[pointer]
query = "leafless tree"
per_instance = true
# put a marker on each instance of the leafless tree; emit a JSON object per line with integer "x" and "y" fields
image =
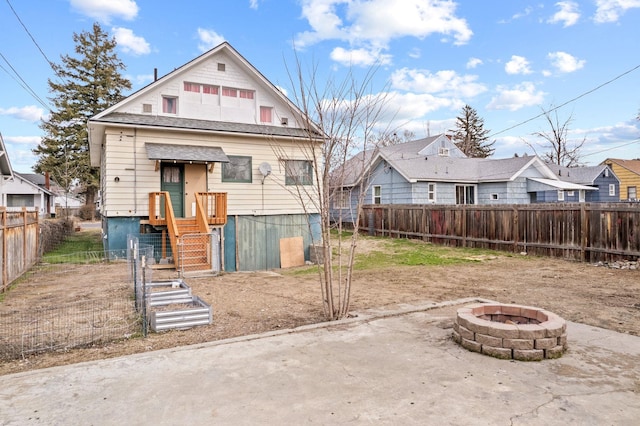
{"x": 556, "y": 145}
{"x": 346, "y": 116}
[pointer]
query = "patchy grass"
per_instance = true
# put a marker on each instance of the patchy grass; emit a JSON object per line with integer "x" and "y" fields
{"x": 403, "y": 252}
{"x": 88, "y": 241}
{"x": 381, "y": 252}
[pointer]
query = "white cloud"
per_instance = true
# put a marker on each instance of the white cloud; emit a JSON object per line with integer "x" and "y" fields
{"x": 360, "y": 57}
{"x": 131, "y": 43}
{"x": 513, "y": 99}
{"x": 403, "y": 108}
{"x": 611, "y": 10}
{"x": 414, "y": 53}
{"x": 565, "y": 62}
{"x": 568, "y": 14}
{"x": 375, "y": 23}
{"x": 444, "y": 83}
{"x": 30, "y": 113}
{"x": 253, "y": 4}
{"x": 526, "y": 12}
{"x": 208, "y": 39}
{"x": 104, "y": 11}
{"x": 473, "y": 63}
{"x": 23, "y": 140}
{"x": 517, "y": 65}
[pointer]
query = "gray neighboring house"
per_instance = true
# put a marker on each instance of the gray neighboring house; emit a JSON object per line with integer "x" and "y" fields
{"x": 434, "y": 171}
{"x": 600, "y": 177}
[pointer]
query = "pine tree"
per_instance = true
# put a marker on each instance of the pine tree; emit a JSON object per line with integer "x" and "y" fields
{"x": 471, "y": 136}
{"x": 85, "y": 86}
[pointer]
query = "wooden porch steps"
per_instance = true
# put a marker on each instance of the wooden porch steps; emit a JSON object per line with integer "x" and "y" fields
{"x": 194, "y": 251}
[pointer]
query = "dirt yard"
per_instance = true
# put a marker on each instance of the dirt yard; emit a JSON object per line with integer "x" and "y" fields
{"x": 249, "y": 303}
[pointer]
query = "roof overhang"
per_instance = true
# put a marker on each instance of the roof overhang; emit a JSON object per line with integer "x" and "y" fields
{"x": 185, "y": 153}
{"x": 540, "y": 184}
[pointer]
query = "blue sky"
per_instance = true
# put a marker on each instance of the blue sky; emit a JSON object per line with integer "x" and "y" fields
{"x": 508, "y": 59}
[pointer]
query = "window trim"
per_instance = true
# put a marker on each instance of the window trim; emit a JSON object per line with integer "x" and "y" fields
{"x": 248, "y": 178}
{"x": 306, "y": 178}
{"x": 214, "y": 90}
{"x": 341, "y": 200}
{"x": 270, "y": 110}
{"x": 466, "y": 188}
{"x": 635, "y": 191}
{"x": 612, "y": 190}
{"x": 376, "y": 194}
{"x": 165, "y": 104}
{"x": 431, "y": 192}
{"x": 560, "y": 195}
{"x": 188, "y": 86}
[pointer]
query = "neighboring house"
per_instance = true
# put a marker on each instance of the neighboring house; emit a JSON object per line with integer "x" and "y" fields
{"x": 21, "y": 192}
{"x": 434, "y": 171}
{"x": 6, "y": 172}
{"x": 600, "y": 177}
{"x": 228, "y": 147}
{"x": 628, "y": 171}
{"x": 18, "y": 192}
{"x": 61, "y": 199}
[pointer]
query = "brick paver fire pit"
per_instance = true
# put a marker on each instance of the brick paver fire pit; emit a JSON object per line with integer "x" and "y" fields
{"x": 510, "y": 331}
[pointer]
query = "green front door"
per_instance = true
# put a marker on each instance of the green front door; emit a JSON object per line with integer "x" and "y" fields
{"x": 173, "y": 183}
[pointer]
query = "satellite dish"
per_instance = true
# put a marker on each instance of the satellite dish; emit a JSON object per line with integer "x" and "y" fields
{"x": 265, "y": 169}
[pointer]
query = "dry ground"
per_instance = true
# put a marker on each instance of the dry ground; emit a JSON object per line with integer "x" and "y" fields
{"x": 249, "y": 303}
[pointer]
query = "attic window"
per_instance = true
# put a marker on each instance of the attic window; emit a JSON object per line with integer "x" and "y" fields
{"x": 191, "y": 87}
{"x": 146, "y": 108}
{"x": 221, "y": 67}
{"x": 284, "y": 121}
{"x": 443, "y": 152}
{"x": 266, "y": 114}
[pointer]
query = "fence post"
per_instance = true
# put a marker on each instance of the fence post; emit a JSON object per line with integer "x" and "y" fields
{"x": 5, "y": 274}
{"x": 23, "y": 213}
{"x": 584, "y": 231}
{"x": 464, "y": 225}
{"x": 515, "y": 231}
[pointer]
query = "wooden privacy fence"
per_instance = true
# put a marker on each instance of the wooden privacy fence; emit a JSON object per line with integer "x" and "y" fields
{"x": 585, "y": 232}
{"x": 19, "y": 232}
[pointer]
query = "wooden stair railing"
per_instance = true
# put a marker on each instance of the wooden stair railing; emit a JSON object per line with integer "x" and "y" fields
{"x": 172, "y": 226}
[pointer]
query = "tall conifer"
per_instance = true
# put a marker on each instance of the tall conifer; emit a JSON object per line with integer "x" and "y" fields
{"x": 471, "y": 136}
{"x": 84, "y": 86}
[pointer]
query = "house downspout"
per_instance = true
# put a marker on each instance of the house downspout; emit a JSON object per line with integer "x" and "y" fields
{"x": 135, "y": 171}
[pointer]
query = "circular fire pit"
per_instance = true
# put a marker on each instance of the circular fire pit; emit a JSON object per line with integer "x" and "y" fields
{"x": 510, "y": 331}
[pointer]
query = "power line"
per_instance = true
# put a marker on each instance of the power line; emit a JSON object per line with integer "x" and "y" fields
{"x": 612, "y": 148}
{"x": 567, "y": 102}
{"x": 32, "y": 38}
{"x": 23, "y": 83}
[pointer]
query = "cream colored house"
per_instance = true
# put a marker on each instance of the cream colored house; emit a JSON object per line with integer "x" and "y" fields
{"x": 211, "y": 148}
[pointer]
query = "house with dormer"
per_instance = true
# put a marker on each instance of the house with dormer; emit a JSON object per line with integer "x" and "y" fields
{"x": 434, "y": 170}
{"x": 212, "y": 148}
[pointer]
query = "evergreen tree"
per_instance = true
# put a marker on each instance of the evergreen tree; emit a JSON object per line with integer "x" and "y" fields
{"x": 85, "y": 86}
{"x": 471, "y": 136}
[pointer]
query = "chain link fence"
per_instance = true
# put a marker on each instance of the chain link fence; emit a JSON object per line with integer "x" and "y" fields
{"x": 77, "y": 300}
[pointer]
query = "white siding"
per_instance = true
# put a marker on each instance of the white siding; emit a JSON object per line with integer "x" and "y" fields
{"x": 214, "y": 107}
{"x": 126, "y": 158}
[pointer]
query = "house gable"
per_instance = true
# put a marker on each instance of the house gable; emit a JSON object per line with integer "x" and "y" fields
{"x": 441, "y": 145}
{"x": 628, "y": 172}
{"x": 217, "y": 92}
